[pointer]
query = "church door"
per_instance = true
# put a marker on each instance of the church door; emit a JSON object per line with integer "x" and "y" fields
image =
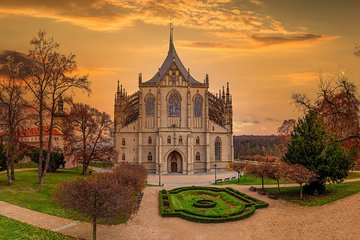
{"x": 174, "y": 167}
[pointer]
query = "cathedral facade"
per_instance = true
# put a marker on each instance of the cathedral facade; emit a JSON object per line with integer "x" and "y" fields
{"x": 173, "y": 124}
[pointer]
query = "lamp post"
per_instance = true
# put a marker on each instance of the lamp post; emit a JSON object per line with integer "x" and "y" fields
{"x": 215, "y": 172}
{"x": 159, "y": 174}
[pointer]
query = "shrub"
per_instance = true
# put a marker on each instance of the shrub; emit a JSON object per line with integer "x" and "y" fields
{"x": 104, "y": 195}
{"x": 56, "y": 159}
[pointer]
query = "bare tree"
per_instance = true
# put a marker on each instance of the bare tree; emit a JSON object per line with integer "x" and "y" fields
{"x": 88, "y": 135}
{"x": 14, "y": 111}
{"x": 49, "y": 79}
{"x": 338, "y": 106}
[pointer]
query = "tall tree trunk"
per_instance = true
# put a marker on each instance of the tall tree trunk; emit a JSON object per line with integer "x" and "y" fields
{"x": 8, "y": 160}
{"x": 12, "y": 168}
{"x": 301, "y": 195}
{"x": 49, "y": 145}
{"x": 262, "y": 184}
{"x": 278, "y": 183}
{"x": 41, "y": 146}
{"x": 94, "y": 228}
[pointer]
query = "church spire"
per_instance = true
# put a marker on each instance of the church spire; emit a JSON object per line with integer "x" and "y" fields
{"x": 171, "y": 43}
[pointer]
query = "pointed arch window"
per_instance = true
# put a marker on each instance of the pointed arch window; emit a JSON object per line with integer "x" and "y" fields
{"x": 197, "y": 106}
{"x": 150, "y": 105}
{"x": 150, "y": 140}
{"x": 123, "y": 141}
{"x": 174, "y": 104}
{"x": 197, "y": 156}
{"x": 218, "y": 149}
{"x": 150, "y": 157}
{"x": 197, "y": 140}
{"x": 169, "y": 140}
{"x": 180, "y": 140}
{"x": 123, "y": 157}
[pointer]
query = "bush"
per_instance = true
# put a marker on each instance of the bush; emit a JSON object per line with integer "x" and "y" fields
{"x": 56, "y": 159}
{"x": 245, "y": 206}
{"x": 107, "y": 196}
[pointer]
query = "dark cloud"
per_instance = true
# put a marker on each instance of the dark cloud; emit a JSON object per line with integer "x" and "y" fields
{"x": 270, "y": 40}
{"x": 18, "y": 58}
{"x": 196, "y": 44}
{"x": 250, "y": 121}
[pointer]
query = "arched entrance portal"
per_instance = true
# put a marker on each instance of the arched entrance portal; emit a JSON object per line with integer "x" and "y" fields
{"x": 174, "y": 162}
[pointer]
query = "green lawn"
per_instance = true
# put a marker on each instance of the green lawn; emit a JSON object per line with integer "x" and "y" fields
{"x": 332, "y": 193}
{"x": 30, "y": 164}
{"x": 353, "y": 175}
{"x": 11, "y": 229}
{"x": 252, "y": 180}
{"x": 249, "y": 180}
{"x": 26, "y": 192}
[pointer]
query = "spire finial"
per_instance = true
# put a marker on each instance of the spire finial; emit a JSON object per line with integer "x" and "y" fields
{"x": 171, "y": 33}
{"x": 118, "y": 87}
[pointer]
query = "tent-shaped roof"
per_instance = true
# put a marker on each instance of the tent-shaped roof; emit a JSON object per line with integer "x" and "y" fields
{"x": 172, "y": 57}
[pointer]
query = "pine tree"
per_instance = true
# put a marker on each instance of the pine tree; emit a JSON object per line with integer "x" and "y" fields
{"x": 313, "y": 147}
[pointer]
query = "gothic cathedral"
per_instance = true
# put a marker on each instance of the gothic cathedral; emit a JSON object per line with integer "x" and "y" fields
{"x": 173, "y": 123}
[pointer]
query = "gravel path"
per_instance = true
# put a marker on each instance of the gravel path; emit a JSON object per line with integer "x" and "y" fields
{"x": 281, "y": 220}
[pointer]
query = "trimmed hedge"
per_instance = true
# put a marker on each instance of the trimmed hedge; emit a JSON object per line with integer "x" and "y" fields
{"x": 246, "y": 207}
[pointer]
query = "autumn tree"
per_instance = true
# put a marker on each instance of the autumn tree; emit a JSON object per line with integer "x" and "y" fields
{"x": 261, "y": 168}
{"x": 49, "y": 79}
{"x": 14, "y": 111}
{"x": 88, "y": 135}
{"x": 337, "y": 105}
{"x": 106, "y": 196}
{"x": 275, "y": 172}
{"x": 298, "y": 174}
{"x": 314, "y": 148}
{"x": 284, "y": 132}
{"x": 238, "y": 167}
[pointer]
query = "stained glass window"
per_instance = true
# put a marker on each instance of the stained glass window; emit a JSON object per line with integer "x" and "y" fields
{"x": 123, "y": 141}
{"x": 180, "y": 140}
{"x": 197, "y": 140}
{"x": 197, "y": 106}
{"x": 123, "y": 157}
{"x": 149, "y": 156}
{"x": 149, "y": 140}
{"x": 174, "y": 105}
{"x": 169, "y": 140}
{"x": 150, "y": 105}
{"x": 218, "y": 149}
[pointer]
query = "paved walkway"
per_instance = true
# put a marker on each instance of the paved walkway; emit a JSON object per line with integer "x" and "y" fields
{"x": 281, "y": 220}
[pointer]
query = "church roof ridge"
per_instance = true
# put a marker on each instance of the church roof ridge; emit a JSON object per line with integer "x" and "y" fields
{"x": 171, "y": 57}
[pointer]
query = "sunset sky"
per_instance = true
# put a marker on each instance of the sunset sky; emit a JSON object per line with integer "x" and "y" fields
{"x": 267, "y": 50}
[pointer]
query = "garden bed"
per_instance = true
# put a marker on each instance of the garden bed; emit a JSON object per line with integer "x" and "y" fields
{"x": 208, "y": 204}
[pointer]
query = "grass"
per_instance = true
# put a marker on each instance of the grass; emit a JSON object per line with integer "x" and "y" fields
{"x": 26, "y": 192}
{"x": 252, "y": 180}
{"x": 223, "y": 204}
{"x": 101, "y": 164}
{"x": 12, "y": 229}
{"x": 353, "y": 175}
{"x": 249, "y": 180}
{"x": 332, "y": 193}
{"x": 30, "y": 164}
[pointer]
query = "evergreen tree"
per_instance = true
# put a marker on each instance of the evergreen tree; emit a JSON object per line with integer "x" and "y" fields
{"x": 313, "y": 147}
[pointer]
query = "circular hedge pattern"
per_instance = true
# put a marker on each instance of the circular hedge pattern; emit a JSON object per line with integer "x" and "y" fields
{"x": 204, "y": 203}
{"x": 207, "y": 204}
